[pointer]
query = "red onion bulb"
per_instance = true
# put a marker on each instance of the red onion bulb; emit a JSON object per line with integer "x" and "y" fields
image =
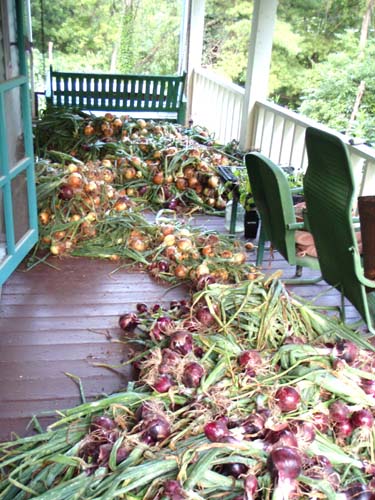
{"x": 158, "y": 429}
{"x": 343, "y": 429}
{"x": 362, "y": 418}
{"x": 216, "y": 430}
{"x": 346, "y": 350}
{"x": 251, "y": 486}
{"x": 338, "y": 411}
{"x": 193, "y": 372}
{"x": 204, "y": 316}
{"x": 128, "y": 322}
{"x": 163, "y": 383}
{"x": 102, "y": 422}
{"x": 181, "y": 342}
{"x": 234, "y": 469}
{"x": 285, "y": 465}
{"x": 287, "y": 399}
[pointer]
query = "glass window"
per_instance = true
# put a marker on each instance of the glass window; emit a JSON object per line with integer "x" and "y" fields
{"x": 14, "y": 127}
{"x": 2, "y": 229}
{"x": 9, "y": 61}
{"x": 20, "y": 206}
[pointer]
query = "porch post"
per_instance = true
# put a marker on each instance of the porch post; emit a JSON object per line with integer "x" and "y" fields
{"x": 258, "y": 66}
{"x": 195, "y": 34}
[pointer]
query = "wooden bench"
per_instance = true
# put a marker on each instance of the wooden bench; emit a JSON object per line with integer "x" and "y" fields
{"x": 160, "y": 97}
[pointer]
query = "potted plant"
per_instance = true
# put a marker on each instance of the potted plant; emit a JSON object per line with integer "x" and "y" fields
{"x": 251, "y": 216}
{"x": 295, "y": 181}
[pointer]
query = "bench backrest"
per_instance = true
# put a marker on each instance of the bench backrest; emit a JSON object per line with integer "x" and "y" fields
{"x": 116, "y": 92}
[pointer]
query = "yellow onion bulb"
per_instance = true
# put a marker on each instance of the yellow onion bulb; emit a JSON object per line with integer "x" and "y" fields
{"x": 89, "y": 130}
{"x": 171, "y": 252}
{"x": 181, "y": 271}
{"x": 189, "y": 172}
{"x": 44, "y": 218}
{"x": 169, "y": 240}
{"x": 226, "y": 254}
{"x": 110, "y": 192}
{"x": 138, "y": 244}
{"x": 117, "y": 123}
{"x": 107, "y": 176}
{"x": 129, "y": 173}
{"x": 193, "y": 182}
{"x": 91, "y": 217}
{"x": 213, "y": 181}
{"x": 108, "y": 132}
{"x": 57, "y": 248}
{"x": 220, "y": 274}
{"x": 202, "y": 269}
{"x": 90, "y": 187}
{"x": 135, "y": 161}
{"x": 75, "y": 180}
{"x": 72, "y": 167}
{"x": 181, "y": 183}
{"x": 121, "y": 204}
{"x": 184, "y": 244}
{"x": 167, "y": 229}
{"x": 158, "y": 178}
{"x": 208, "y": 251}
{"x": 59, "y": 235}
{"x": 106, "y": 163}
{"x": 141, "y": 123}
{"x": 185, "y": 233}
{"x": 239, "y": 258}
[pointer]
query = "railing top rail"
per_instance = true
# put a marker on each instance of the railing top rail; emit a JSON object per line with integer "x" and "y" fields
{"x": 362, "y": 150}
{"x": 220, "y": 80}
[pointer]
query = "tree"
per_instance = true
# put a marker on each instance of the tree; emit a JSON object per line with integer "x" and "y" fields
{"x": 333, "y": 88}
{"x": 362, "y": 46}
{"x": 306, "y": 32}
{"x": 86, "y": 34}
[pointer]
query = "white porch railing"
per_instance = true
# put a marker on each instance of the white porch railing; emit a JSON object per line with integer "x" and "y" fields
{"x": 278, "y": 132}
{"x": 217, "y": 104}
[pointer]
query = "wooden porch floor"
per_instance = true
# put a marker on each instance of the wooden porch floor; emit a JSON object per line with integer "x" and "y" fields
{"x": 63, "y": 320}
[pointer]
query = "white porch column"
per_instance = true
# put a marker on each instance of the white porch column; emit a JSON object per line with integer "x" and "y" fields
{"x": 195, "y": 10}
{"x": 258, "y": 66}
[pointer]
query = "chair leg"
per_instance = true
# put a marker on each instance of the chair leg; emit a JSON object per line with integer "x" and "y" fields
{"x": 342, "y": 308}
{"x": 261, "y": 243}
{"x": 298, "y": 271}
{"x": 233, "y": 217}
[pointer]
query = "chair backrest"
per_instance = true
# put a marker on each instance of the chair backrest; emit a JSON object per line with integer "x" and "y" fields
{"x": 329, "y": 191}
{"x": 273, "y": 199}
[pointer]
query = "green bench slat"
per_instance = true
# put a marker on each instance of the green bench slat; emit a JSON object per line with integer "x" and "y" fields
{"x": 111, "y": 92}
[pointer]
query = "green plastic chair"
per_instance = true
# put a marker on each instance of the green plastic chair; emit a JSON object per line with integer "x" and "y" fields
{"x": 273, "y": 200}
{"x": 329, "y": 191}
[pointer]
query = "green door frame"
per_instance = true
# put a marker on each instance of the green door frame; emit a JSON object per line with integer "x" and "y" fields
{"x": 17, "y": 250}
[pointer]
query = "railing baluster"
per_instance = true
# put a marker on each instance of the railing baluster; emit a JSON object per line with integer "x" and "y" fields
{"x": 277, "y": 132}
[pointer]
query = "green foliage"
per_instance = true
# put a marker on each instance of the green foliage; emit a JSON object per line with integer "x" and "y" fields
{"x": 315, "y": 66}
{"x": 227, "y": 32}
{"x": 136, "y": 36}
{"x": 156, "y": 37}
{"x": 88, "y": 29}
{"x": 127, "y": 46}
{"x": 333, "y": 88}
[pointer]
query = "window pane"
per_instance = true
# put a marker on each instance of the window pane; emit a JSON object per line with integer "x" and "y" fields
{"x": 20, "y": 206}
{"x": 2, "y": 229}
{"x": 14, "y": 126}
{"x": 9, "y": 63}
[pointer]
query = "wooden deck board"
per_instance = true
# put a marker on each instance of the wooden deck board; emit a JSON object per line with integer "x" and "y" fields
{"x": 54, "y": 321}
